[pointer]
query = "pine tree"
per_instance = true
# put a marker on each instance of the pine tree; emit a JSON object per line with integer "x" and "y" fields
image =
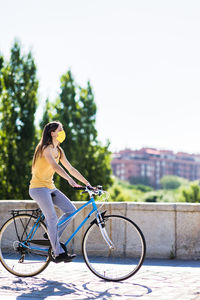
{"x": 18, "y": 105}
{"x": 76, "y": 110}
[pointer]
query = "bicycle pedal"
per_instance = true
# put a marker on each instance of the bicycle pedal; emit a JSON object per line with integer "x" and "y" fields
{"x": 45, "y": 235}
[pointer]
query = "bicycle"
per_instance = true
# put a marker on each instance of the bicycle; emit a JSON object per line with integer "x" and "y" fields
{"x": 113, "y": 246}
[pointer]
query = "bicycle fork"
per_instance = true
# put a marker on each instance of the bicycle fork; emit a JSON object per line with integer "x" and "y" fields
{"x": 101, "y": 224}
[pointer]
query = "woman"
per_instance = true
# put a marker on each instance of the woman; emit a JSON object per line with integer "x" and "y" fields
{"x": 47, "y": 155}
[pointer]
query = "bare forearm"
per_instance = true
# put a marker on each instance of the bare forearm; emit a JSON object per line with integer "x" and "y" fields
{"x": 60, "y": 171}
{"x": 78, "y": 176}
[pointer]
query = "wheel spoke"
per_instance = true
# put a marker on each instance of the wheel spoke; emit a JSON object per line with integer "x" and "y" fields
{"x": 118, "y": 262}
{"x": 20, "y": 257}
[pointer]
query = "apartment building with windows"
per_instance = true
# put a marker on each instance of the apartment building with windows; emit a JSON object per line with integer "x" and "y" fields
{"x": 154, "y": 164}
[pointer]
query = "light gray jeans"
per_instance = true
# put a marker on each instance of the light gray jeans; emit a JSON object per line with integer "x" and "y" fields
{"x": 46, "y": 199}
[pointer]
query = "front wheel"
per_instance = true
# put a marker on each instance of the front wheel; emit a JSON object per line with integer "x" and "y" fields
{"x": 125, "y": 255}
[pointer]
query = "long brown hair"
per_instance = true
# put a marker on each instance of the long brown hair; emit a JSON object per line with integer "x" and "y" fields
{"x": 46, "y": 139}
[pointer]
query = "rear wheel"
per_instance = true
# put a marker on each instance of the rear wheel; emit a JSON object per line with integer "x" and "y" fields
{"x": 22, "y": 253}
{"x": 128, "y": 252}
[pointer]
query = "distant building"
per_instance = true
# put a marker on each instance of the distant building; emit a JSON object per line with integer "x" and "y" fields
{"x": 154, "y": 164}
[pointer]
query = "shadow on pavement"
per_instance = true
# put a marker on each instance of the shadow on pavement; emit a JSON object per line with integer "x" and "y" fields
{"x": 110, "y": 290}
{"x": 41, "y": 288}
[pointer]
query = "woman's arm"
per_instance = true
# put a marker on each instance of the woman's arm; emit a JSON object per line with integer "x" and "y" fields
{"x": 75, "y": 173}
{"x": 57, "y": 168}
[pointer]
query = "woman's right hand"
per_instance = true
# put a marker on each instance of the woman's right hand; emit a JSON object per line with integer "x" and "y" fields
{"x": 72, "y": 182}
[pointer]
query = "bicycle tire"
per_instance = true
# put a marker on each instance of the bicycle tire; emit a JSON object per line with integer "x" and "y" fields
{"x": 114, "y": 264}
{"x": 18, "y": 260}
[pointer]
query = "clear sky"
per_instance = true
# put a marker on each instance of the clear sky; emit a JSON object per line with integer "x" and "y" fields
{"x": 142, "y": 58}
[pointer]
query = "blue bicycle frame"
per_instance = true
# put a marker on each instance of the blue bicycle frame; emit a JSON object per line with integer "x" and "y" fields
{"x": 91, "y": 201}
{"x": 36, "y": 225}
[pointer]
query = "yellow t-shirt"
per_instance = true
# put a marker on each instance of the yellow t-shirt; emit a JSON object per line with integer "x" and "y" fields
{"x": 42, "y": 174}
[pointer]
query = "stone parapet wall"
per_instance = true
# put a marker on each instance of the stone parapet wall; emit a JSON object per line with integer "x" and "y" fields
{"x": 170, "y": 229}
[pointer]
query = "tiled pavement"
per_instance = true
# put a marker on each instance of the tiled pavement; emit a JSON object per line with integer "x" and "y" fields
{"x": 157, "y": 279}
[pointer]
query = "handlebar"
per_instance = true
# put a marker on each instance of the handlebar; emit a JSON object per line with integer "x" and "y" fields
{"x": 91, "y": 190}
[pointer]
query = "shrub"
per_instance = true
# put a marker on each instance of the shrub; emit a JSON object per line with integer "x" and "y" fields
{"x": 191, "y": 194}
{"x": 172, "y": 182}
{"x": 143, "y": 188}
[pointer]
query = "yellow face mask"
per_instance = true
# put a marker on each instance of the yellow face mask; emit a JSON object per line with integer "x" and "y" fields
{"x": 61, "y": 136}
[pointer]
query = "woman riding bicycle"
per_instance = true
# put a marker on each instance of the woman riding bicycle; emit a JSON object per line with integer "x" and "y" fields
{"x": 47, "y": 155}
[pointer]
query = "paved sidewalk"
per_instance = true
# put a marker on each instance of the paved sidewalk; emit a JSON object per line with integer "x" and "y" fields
{"x": 157, "y": 279}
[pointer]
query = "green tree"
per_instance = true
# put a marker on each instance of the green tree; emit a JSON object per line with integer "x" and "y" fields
{"x": 47, "y": 115}
{"x": 18, "y": 102}
{"x": 1, "y": 67}
{"x": 140, "y": 180}
{"x": 76, "y": 110}
{"x": 192, "y": 193}
{"x": 171, "y": 182}
{"x": 1, "y": 133}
